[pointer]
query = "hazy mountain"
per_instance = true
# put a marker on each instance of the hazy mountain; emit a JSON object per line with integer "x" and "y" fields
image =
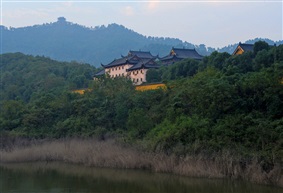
{"x": 63, "y": 40}
{"x": 66, "y": 41}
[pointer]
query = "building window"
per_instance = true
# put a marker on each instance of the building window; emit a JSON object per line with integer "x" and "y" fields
{"x": 133, "y": 80}
{"x": 119, "y": 67}
{"x": 122, "y": 67}
{"x": 112, "y": 69}
{"x": 141, "y": 71}
{"x": 137, "y": 72}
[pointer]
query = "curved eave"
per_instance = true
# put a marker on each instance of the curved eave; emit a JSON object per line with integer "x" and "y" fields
{"x": 169, "y": 57}
{"x": 142, "y": 67}
{"x": 118, "y": 65}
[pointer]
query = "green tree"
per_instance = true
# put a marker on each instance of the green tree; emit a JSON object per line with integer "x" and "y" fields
{"x": 11, "y": 114}
{"x": 260, "y": 45}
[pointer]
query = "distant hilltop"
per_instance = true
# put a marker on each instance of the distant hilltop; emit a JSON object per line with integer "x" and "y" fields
{"x": 67, "y": 41}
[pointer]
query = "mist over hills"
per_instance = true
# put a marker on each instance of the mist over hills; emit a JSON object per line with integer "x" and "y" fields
{"x": 67, "y": 41}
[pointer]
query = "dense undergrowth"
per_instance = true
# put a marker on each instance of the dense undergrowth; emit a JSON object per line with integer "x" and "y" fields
{"x": 222, "y": 103}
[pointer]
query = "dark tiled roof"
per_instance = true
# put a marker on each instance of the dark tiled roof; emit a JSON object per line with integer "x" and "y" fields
{"x": 121, "y": 61}
{"x": 187, "y": 53}
{"x": 144, "y": 63}
{"x": 101, "y": 72}
{"x": 141, "y": 54}
{"x": 133, "y": 57}
{"x": 168, "y": 57}
{"x": 182, "y": 53}
{"x": 247, "y": 47}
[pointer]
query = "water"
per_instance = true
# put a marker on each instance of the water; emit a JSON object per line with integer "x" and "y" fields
{"x": 65, "y": 178}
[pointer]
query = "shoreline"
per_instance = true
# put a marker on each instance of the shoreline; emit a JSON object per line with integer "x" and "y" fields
{"x": 111, "y": 154}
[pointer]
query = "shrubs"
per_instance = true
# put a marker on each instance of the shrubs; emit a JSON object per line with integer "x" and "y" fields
{"x": 232, "y": 102}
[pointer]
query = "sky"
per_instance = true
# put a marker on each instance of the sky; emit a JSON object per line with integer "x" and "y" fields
{"x": 215, "y": 23}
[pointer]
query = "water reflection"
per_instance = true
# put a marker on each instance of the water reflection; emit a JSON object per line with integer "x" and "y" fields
{"x": 65, "y": 178}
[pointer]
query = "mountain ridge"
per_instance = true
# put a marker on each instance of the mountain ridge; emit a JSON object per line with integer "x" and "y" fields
{"x": 66, "y": 41}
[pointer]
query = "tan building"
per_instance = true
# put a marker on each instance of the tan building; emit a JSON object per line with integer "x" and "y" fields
{"x": 133, "y": 66}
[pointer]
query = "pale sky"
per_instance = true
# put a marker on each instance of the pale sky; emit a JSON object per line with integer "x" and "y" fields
{"x": 213, "y": 23}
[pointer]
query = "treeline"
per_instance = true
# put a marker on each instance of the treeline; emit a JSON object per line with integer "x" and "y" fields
{"x": 221, "y": 103}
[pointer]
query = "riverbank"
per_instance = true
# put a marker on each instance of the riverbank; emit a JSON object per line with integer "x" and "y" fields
{"x": 113, "y": 154}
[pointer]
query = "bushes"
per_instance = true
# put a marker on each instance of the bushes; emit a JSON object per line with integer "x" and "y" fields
{"x": 223, "y": 102}
{"x": 184, "y": 130}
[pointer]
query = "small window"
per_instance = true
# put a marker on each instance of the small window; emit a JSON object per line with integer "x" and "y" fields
{"x": 133, "y": 80}
{"x": 122, "y": 67}
{"x": 112, "y": 69}
{"x": 119, "y": 67}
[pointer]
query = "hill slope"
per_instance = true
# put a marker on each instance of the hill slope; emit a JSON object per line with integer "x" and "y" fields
{"x": 24, "y": 77}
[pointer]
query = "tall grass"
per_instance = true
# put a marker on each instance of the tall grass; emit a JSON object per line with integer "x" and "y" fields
{"x": 111, "y": 154}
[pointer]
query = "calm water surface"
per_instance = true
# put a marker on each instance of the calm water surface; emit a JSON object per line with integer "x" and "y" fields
{"x": 64, "y": 178}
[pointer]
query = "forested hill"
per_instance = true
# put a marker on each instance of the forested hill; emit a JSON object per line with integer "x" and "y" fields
{"x": 66, "y": 41}
{"x": 222, "y": 102}
{"x": 25, "y": 77}
{"x": 224, "y": 105}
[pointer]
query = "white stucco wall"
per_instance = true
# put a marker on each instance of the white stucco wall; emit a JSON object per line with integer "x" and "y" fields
{"x": 118, "y": 71}
{"x": 138, "y": 76}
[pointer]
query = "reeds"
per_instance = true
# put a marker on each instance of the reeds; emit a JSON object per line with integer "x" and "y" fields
{"x": 111, "y": 154}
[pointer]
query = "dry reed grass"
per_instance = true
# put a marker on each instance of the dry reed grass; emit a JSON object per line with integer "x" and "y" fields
{"x": 111, "y": 154}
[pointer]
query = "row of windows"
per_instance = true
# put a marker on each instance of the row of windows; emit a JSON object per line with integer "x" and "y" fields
{"x": 117, "y": 75}
{"x": 137, "y": 80}
{"x": 118, "y": 68}
{"x": 122, "y": 67}
{"x": 136, "y": 72}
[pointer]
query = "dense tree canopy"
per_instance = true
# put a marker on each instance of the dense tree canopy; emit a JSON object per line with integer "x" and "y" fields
{"x": 222, "y": 102}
